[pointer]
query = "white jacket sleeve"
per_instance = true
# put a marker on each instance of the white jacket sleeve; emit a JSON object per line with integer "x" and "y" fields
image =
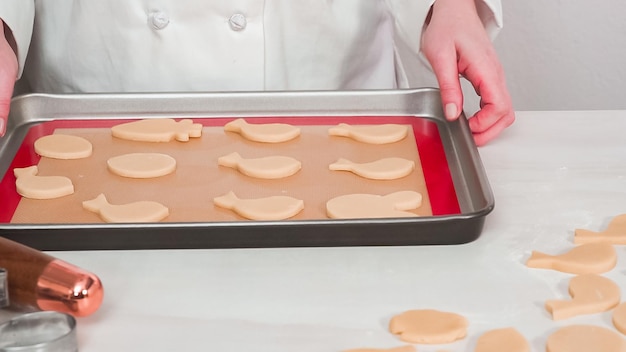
{"x": 412, "y": 67}
{"x": 19, "y": 16}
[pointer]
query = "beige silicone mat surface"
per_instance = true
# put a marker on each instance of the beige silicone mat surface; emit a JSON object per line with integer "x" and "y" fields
{"x": 189, "y": 191}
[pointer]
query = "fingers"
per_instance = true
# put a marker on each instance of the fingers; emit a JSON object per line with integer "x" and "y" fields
{"x": 8, "y": 76}
{"x": 445, "y": 66}
{"x": 486, "y": 125}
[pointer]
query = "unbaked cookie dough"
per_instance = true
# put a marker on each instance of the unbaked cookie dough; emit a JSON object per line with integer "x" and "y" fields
{"x": 268, "y": 208}
{"x": 428, "y": 326}
{"x": 590, "y": 293}
{"x": 585, "y": 338}
{"x": 405, "y": 348}
{"x": 615, "y": 233}
{"x": 63, "y": 146}
{"x": 357, "y": 206}
{"x": 382, "y": 169}
{"x": 591, "y": 258}
{"x": 158, "y": 130}
{"x": 142, "y": 165}
{"x": 141, "y": 211}
{"x": 502, "y": 340}
{"x": 372, "y": 134}
{"x": 269, "y": 167}
{"x": 619, "y": 318}
{"x": 29, "y": 185}
{"x": 265, "y": 133}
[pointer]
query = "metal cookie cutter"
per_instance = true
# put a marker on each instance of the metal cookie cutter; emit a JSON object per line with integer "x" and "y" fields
{"x": 4, "y": 289}
{"x": 44, "y": 331}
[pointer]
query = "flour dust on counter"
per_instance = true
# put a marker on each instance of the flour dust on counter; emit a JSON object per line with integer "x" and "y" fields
{"x": 406, "y": 348}
{"x": 615, "y": 233}
{"x": 591, "y": 258}
{"x": 590, "y": 293}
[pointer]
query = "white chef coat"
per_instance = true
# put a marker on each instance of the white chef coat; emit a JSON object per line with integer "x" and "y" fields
{"x": 229, "y": 45}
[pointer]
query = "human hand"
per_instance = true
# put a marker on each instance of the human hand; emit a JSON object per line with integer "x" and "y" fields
{"x": 455, "y": 43}
{"x": 8, "y": 75}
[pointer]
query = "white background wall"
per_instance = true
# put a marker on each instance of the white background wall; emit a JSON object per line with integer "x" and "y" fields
{"x": 564, "y": 54}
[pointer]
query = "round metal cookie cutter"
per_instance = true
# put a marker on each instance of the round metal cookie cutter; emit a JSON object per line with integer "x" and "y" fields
{"x": 44, "y": 331}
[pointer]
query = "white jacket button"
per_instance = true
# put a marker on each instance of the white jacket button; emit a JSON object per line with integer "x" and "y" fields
{"x": 158, "y": 20}
{"x": 237, "y": 22}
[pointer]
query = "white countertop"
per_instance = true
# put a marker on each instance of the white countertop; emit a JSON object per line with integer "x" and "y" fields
{"x": 551, "y": 172}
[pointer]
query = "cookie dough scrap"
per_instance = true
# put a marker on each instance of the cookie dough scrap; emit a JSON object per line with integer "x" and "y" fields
{"x": 371, "y": 134}
{"x": 585, "y": 338}
{"x": 265, "y": 133}
{"x": 63, "y": 146}
{"x": 269, "y": 167}
{"x": 500, "y": 340}
{"x": 358, "y": 205}
{"x": 141, "y": 211}
{"x": 615, "y": 233}
{"x": 619, "y": 318}
{"x": 29, "y": 185}
{"x": 158, "y": 130}
{"x": 591, "y": 258}
{"x": 268, "y": 208}
{"x": 382, "y": 169}
{"x": 405, "y": 348}
{"x": 142, "y": 165}
{"x": 428, "y": 326}
{"x": 590, "y": 293}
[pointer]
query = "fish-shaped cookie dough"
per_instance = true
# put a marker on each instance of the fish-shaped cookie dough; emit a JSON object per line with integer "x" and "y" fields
{"x": 591, "y": 293}
{"x": 268, "y": 208}
{"x": 372, "y": 134}
{"x": 158, "y": 130}
{"x": 382, "y": 169}
{"x": 615, "y": 233}
{"x": 269, "y": 167}
{"x": 141, "y": 211}
{"x": 29, "y": 185}
{"x": 359, "y": 205}
{"x": 265, "y": 133}
{"x": 591, "y": 258}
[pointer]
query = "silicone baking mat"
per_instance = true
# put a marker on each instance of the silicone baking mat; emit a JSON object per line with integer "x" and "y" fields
{"x": 188, "y": 192}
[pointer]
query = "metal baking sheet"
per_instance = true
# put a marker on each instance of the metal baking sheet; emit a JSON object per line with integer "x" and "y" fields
{"x": 458, "y": 188}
